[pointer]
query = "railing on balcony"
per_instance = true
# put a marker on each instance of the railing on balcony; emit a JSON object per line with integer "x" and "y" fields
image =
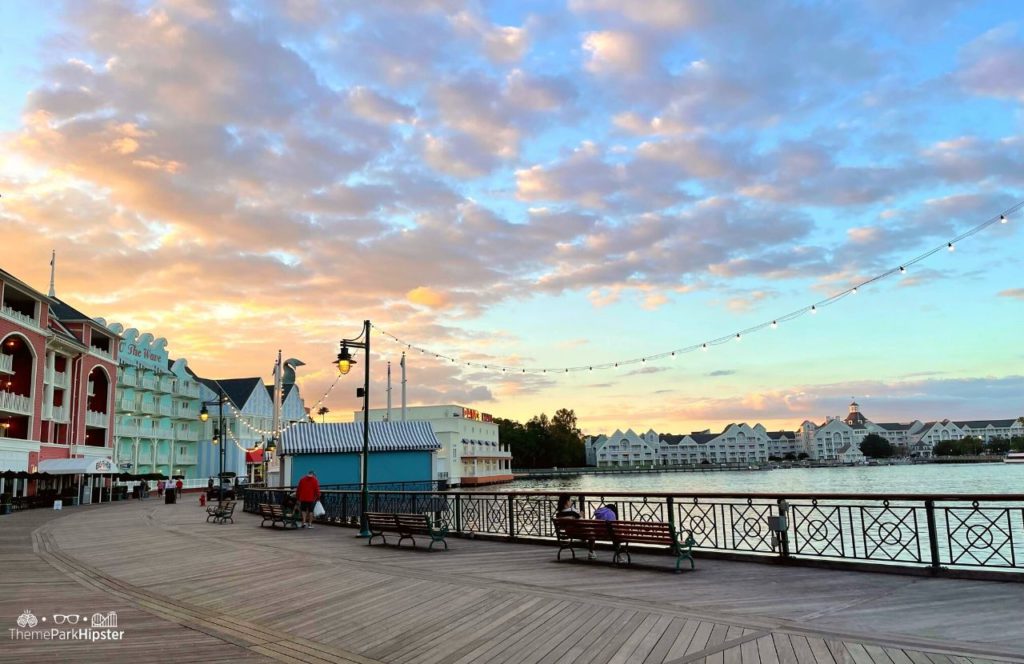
{"x": 943, "y": 534}
{"x": 15, "y": 403}
{"x": 59, "y": 414}
{"x": 94, "y": 419}
{"x": 129, "y": 378}
{"x": 147, "y": 406}
{"x": 128, "y": 430}
{"x": 102, "y": 353}
{"x": 188, "y": 389}
{"x": 61, "y": 379}
{"x": 18, "y": 316}
{"x": 92, "y": 388}
{"x": 187, "y": 435}
{"x": 126, "y": 403}
{"x": 148, "y": 382}
{"x": 6, "y": 363}
{"x": 167, "y": 384}
{"x": 164, "y": 409}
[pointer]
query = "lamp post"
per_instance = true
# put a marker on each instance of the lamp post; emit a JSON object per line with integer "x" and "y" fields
{"x": 268, "y": 454}
{"x": 345, "y": 362}
{"x": 204, "y": 415}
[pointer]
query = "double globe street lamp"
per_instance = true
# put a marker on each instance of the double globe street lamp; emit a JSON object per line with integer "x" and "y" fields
{"x": 218, "y": 439}
{"x": 345, "y": 361}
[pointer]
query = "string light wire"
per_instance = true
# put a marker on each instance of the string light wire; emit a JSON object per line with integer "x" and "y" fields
{"x": 814, "y": 307}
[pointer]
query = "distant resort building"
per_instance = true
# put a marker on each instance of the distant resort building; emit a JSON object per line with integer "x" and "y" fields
{"x": 157, "y": 408}
{"x": 835, "y": 440}
{"x": 471, "y": 453}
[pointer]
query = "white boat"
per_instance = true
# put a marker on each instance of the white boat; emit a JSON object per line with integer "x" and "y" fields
{"x": 1014, "y": 457}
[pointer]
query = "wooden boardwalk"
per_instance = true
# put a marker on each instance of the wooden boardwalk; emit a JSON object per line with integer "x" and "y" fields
{"x": 185, "y": 591}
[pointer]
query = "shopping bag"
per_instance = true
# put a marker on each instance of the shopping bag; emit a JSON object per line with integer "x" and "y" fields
{"x": 318, "y": 509}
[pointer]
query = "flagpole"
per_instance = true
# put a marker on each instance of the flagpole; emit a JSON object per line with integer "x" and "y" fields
{"x": 388, "y": 416}
{"x": 403, "y": 386}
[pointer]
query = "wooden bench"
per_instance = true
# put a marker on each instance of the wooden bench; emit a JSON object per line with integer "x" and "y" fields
{"x": 275, "y": 514}
{"x": 573, "y": 533}
{"x": 624, "y": 533}
{"x": 406, "y": 526}
{"x": 221, "y": 513}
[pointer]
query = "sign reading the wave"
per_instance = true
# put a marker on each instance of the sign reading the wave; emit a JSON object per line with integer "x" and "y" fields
{"x": 138, "y": 354}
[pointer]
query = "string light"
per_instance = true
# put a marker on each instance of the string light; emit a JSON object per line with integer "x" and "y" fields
{"x": 773, "y": 324}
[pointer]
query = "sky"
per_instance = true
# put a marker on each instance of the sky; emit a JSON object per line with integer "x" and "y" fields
{"x": 537, "y": 184}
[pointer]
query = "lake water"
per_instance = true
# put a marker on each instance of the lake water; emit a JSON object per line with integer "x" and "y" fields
{"x": 922, "y": 478}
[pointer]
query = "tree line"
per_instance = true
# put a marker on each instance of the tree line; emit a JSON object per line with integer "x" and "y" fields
{"x": 544, "y": 442}
{"x": 876, "y": 447}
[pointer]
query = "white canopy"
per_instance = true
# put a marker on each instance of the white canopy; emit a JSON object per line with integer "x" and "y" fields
{"x": 78, "y": 466}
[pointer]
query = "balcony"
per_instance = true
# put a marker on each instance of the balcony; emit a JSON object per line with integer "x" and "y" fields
{"x": 167, "y": 384}
{"x": 129, "y": 379}
{"x": 182, "y": 411}
{"x": 165, "y": 409}
{"x": 59, "y": 414}
{"x": 98, "y": 420}
{"x": 15, "y": 403}
{"x": 148, "y": 382}
{"x": 18, "y": 316}
{"x": 187, "y": 389}
{"x": 102, "y": 353}
{"x": 127, "y": 430}
{"x": 6, "y": 363}
{"x": 146, "y": 406}
{"x": 61, "y": 380}
{"x": 189, "y": 435}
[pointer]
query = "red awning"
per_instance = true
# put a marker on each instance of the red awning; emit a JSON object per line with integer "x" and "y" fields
{"x": 254, "y": 456}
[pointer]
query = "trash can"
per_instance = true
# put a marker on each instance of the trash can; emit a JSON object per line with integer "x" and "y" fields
{"x": 169, "y": 497}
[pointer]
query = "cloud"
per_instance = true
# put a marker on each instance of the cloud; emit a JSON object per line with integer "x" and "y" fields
{"x": 615, "y": 52}
{"x": 1015, "y": 293}
{"x": 721, "y": 372}
{"x": 990, "y": 65}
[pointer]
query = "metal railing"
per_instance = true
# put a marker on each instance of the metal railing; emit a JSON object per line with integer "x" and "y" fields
{"x": 941, "y": 533}
{"x": 59, "y": 414}
{"x": 20, "y": 317}
{"x": 6, "y": 363}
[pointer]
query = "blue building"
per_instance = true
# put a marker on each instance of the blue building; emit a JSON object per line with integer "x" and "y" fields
{"x": 399, "y": 451}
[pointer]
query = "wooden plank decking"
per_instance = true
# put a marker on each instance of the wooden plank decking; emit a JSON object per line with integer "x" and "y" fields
{"x": 189, "y": 591}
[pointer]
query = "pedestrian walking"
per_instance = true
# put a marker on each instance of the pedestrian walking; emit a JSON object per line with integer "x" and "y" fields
{"x": 308, "y": 492}
{"x": 160, "y": 488}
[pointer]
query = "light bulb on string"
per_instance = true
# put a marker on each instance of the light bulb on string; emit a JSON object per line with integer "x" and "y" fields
{"x": 950, "y": 246}
{"x": 704, "y": 347}
{"x": 738, "y": 337}
{"x": 854, "y": 291}
{"x": 903, "y": 270}
{"x": 814, "y": 309}
{"x": 1002, "y": 218}
{"x": 775, "y": 325}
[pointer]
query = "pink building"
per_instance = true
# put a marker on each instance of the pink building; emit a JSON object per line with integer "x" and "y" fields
{"x": 58, "y": 370}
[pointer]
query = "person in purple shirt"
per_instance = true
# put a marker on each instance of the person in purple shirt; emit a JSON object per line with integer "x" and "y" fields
{"x": 607, "y": 512}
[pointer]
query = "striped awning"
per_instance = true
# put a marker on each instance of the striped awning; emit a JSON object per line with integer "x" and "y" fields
{"x": 341, "y": 437}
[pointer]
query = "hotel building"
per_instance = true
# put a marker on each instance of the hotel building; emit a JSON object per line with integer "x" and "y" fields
{"x": 58, "y": 368}
{"x": 471, "y": 453}
{"x": 157, "y": 407}
{"x": 835, "y": 439}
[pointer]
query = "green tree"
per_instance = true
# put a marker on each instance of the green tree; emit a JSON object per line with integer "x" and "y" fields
{"x": 803, "y": 455}
{"x": 1017, "y": 444}
{"x": 876, "y": 447}
{"x": 322, "y": 412}
{"x": 544, "y": 442}
{"x": 946, "y": 448}
{"x": 998, "y": 446}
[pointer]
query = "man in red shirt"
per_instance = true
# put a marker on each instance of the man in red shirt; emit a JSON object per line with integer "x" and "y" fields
{"x": 307, "y": 493}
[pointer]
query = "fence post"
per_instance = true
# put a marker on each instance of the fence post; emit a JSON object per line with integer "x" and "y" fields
{"x": 784, "y": 532}
{"x": 511, "y": 516}
{"x": 458, "y": 514}
{"x": 670, "y": 505}
{"x": 933, "y": 537}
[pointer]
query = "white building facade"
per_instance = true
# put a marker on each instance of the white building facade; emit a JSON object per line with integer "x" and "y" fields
{"x": 471, "y": 453}
{"x": 157, "y": 408}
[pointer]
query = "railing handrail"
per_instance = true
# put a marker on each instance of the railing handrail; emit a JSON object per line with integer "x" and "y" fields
{"x": 916, "y": 497}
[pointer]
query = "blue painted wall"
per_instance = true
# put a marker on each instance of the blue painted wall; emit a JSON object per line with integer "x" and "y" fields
{"x": 383, "y": 467}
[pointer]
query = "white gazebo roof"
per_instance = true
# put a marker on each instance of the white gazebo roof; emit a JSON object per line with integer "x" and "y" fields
{"x": 78, "y": 466}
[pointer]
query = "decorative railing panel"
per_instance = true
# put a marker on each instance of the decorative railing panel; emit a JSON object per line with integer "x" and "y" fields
{"x": 985, "y": 532}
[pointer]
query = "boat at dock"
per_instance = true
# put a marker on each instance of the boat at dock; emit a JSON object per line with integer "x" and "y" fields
{"x": 1014, "y": 457}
